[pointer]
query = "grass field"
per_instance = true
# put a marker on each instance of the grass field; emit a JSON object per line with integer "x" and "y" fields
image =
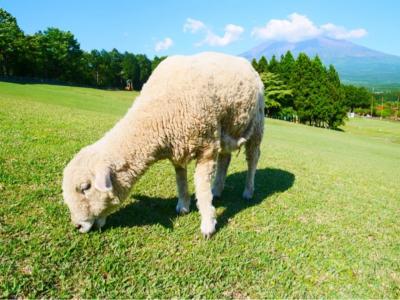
{"x": 325, "y": 220}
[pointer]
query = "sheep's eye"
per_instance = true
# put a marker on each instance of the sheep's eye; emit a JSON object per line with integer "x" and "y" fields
{"x": 85, "y": 187}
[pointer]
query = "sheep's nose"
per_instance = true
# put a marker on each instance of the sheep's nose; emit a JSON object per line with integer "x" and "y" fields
{"x": 84, "y": 226}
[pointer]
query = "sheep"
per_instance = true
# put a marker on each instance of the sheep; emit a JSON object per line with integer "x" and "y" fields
{"x": 199, "y": 107}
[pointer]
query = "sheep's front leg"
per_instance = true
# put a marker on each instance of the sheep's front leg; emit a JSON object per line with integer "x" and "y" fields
{"x": 183, "y": 205}
{"x": 202, "y": 180}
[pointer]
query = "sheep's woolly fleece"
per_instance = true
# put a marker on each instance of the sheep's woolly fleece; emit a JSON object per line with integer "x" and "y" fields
{"x": 190, "y": 108}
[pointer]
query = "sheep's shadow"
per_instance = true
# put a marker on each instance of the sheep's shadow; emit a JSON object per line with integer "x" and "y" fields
{"x": 156, "y": 210}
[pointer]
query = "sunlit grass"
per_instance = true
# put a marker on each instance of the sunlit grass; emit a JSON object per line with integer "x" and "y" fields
{"x": 324, "y": 221}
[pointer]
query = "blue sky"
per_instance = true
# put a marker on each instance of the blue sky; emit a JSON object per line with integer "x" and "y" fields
{"x": 188, "y": 26}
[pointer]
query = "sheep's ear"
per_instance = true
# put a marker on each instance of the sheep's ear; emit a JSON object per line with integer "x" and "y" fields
{"x": 102, "y": 180}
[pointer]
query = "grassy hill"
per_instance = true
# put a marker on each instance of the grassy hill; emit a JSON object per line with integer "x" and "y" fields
{"x": 324, "y": 221}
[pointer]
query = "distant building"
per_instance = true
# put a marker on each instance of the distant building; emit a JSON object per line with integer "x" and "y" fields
{"x": 350, "y": 114}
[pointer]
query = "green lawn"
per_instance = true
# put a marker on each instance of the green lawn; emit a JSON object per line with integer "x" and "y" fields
{"x": 325, "y": 220}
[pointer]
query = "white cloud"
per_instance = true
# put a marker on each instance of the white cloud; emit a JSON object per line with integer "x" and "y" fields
{"x": 193, "y": 25}
{"x": 164, "y": 44}
{"x": 299, "y": 27}
{"x": 341, "y": 33}
{"x": 231, "y": 34}
{"x": 296, "y": 28}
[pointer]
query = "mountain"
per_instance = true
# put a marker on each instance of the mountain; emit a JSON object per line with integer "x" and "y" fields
{"x": 355, "y": 64}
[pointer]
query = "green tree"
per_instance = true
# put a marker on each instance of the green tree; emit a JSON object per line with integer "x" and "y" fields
{"x": 286, "y": 66}
{"x": 60, "y": 54}
{"x": 130, "y": 69}
{"x": 262, "y": 65}
{"x": 156, "y": 61}
{"x": 11, "y": 44}
{"x": 316, "y": 95}
{"x": 319, "y": 93}
{"x": 356, "y": 97}
{"x": 288, "y": 114}
{"x": 114, "y": 70}
{"x": 301, "y": 84}
{"x": 145, "y": 69}
{"x": 32, "y": 63}
{"x": 254, "y": 63}
{"x": 276, "y": 93}
{"x": 273, "y": 65}
{"x": 336, "y": 96}
{"x": 96, "y": 64}
{"x": 56, "y": 55}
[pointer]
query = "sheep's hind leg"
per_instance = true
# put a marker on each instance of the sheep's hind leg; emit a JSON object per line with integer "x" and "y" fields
{"x": 252, "y": 156}
{"x": 183, "y": 205}
{"x": 202, "y": 180}
{"x": 222, "y": 168}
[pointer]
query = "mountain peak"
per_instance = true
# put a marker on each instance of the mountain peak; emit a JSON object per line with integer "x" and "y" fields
{"x": 325, "y": 47}
{"x": 355, "y": 63}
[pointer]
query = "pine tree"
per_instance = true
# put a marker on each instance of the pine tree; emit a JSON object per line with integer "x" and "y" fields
{"x": 254, "y": 63}
{"x": 336, "y": 97}
{"x": 286, "y": 66}
{"x": 262, "y": 65}
{"x": 319, "y": 97}
{"x": 303, "y": 89}
{"x": 273, "y": 65}
{"x": 301, "y": 83}
{"x": 276, "y": 93}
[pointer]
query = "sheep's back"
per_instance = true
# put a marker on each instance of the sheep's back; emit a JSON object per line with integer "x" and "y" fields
{"x": 195, "y": 96}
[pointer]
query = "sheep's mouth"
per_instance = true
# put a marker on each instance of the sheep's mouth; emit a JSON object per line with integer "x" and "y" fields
{"x": 86, "y": 226}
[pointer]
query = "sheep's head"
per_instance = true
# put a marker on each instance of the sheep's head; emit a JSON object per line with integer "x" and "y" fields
{"x": 88, "y": 191}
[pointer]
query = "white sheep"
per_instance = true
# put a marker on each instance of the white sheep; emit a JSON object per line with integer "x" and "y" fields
{"x": 192, "y": 107}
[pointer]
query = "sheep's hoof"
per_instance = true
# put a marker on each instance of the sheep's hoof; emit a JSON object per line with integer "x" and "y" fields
{"x": 241, "y": 142}
{"x": 182, "y": 209}
{"x": 216, "y": 198}
{"x": 207, "y": 236}
{"x": 247, "y": 195}
{"x": 216, "y": 192}
{"x": 208, "y": 228}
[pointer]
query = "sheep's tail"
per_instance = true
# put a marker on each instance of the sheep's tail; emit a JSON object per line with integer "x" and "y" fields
{"x": 257, "y": 120}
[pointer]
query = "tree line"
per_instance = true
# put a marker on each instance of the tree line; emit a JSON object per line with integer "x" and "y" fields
{"x": 298, "y": 89}
{"x": 305, "y": 91}
{"x": 56, "y": 55}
